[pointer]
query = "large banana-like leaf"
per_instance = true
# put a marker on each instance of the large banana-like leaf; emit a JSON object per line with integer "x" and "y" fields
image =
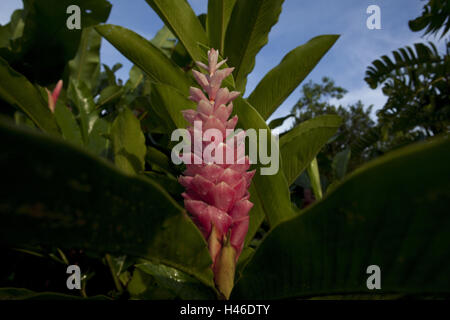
{"x": 59, "y": 195}
{"x": 300, "y": 145}
{"x": 248, "y": 31}
{"x": 219, "y": 13}
{"x": 16, "y": 90}
{"x": 86, "y": 64}
{"x": 392, "y": 213}
{"x": 146, "y": 56}
{"x": 279, "y": 82}
{"x": 183, "y": 22}
{"x": 271, "y": 191}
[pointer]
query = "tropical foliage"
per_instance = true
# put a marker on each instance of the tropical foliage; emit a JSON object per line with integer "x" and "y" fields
{"x": 93, "y": 184}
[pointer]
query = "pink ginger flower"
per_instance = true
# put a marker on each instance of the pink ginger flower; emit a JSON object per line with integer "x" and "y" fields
{"x": 53, "y": 96}
{"x": 217, "y": 196}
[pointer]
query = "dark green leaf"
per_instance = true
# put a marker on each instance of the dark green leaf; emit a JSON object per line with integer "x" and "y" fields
{"x": 146, "y": 56}
{"x": 271, "y": 191}
{"x": 158, "y": 281}
{"x": 182, "y": 21}
{"x": 168, "y": 103}
{"x": 392, "y": 213}
{"x": 81, "y": 96}
{"x": 128, "y": 143}
{"x": 248, "y": 31}
{"x": 340, "y": 162}
{"x": 86, "y": 64}
{"x": 279, "y": 121}
{"x": 90, "y": 205}
{"x": 314, "y": 178}
{"x": 165, "y": 41}
{"x": 110, "y": 95}
{"x": 67, "y": 123}
{"x": 219, "y": 13}
{"x": 158, "y": 159}
{"x": 170, "y": 184}
{"x": 12, "y": 30}
{"x": 16, "y": 90}
{"x": 46, "y": 45}
{"x": 299, "y": 146}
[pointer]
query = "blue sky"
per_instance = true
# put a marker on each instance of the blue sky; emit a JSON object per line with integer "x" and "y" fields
{"x": 300, "y": 20}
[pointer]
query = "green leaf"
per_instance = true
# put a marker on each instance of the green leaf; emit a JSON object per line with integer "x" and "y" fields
{"x": 269, "y": 193}
{"x": 12, "y": 30}
{"x": 128, "y": 143}
{"x": 81, "y": 96}
{"x": 181, "y": 57}
{"x": 111, "y": 74}
{"x": 393, "y": 213}
{"x": 282, "y": 80}
{"x": 183, "y": 22}
{"x": 109, "y": 95}
{"x": 67, "y": 123}
{"x": 171, "y": 185}
{"x": 144, "y": 287}
{"x": 248, "y": 31}
{"x": 219, "y": 13}
{"x": 165, "y": 41}
{"x": 93, "y": 128}
{"x": 340, "y": 162}
{"x": 158, "y": 159}
{"x": 168, "y": 103}
{"x": 46, "y": 45}
{"x": 136, "y": 76}
{"x": 86, "y": 64}
{"x": 300, "y": 145}
{"x": 146, "y": 56}
{"x": 98, "y": 141}
{"x": 91, "y": 205}
{"x": 16, "y": 90}
{"x": 157, "y": 281}
{"x": 314, "y": 178}
{"x": 275, "y": 123}
{"x": 21, "y": 119}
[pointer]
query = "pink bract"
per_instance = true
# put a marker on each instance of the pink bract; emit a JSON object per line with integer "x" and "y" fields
{"x": 217, "y": 196}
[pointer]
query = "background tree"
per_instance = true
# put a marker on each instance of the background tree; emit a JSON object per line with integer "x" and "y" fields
{"x": 417, "y": 84}
{"x": 435, "y": 16}
{"x": 317, "y": 99}
{"x": 335, "y": 158}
